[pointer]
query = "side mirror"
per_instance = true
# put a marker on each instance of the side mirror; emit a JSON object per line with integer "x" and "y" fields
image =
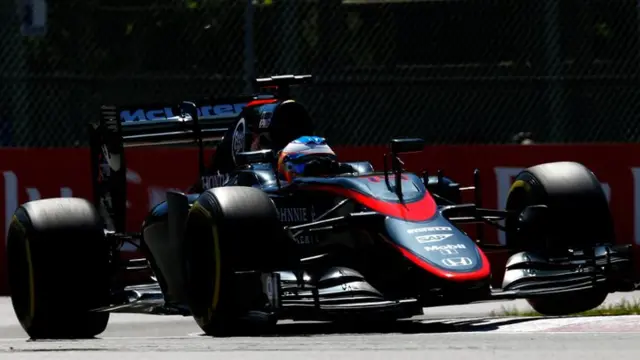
{"x": 254, "y": 157}
{"x": 403, "y": 146}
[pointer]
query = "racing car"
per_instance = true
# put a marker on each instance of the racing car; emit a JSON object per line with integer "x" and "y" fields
{"x": 356, "y": 244}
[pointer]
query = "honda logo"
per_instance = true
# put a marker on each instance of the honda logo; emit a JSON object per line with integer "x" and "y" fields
{"x": 457, "y": 261}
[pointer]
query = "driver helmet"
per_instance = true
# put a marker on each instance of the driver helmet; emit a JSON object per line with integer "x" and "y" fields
{"x": 294, "y": 158}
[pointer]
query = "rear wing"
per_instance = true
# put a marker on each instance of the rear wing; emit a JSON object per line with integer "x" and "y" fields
{"x": 121, "y": 127}
{"x": 185, "y": 123}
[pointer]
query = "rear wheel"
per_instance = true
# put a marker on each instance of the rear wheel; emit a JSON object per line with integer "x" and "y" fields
{"x": 231, "y": 229}
{"x": 578, "y": 217}
{"x": 58, "y": 262}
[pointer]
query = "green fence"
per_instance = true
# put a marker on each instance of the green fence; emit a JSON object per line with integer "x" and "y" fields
{"x": 450, "y": 71}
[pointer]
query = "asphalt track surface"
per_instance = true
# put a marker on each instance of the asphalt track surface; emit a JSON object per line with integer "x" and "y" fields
{"x": 443, "y": 333}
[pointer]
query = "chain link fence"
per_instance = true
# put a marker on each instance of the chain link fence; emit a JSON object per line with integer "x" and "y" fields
{"x": 449, "y": 71}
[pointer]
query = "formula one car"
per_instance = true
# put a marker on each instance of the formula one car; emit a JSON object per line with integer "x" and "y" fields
{"x": 353, "y": 245}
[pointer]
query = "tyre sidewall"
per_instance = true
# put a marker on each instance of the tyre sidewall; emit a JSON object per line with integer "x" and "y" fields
{"x": 56, "y": 275}
{"x": 580, "y": 219}
{"x": 207, "y": 272}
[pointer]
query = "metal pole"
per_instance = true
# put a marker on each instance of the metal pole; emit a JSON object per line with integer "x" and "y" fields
{"x": 7, "y": 42}
{"x": 249, "y": 52}
{"x": 553, "y": 69}
{"x": 637, "y": 49}
{"x": 289, "y": 44}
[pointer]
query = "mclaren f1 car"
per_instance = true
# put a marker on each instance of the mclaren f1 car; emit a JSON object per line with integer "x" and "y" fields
{"x": 350, "y": 243}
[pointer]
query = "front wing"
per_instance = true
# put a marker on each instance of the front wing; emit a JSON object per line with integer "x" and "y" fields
{"x": 341, "y": 292}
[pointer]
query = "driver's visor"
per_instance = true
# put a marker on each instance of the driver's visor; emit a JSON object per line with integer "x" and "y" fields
{"x": 297, "y": 168}
{"x": 297, "y": 162}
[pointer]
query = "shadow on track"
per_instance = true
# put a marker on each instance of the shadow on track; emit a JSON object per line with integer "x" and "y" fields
{"x": 397, "y": 327}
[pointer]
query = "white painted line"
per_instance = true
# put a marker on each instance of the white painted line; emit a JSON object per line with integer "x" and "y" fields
{"x": 554, "y": 324}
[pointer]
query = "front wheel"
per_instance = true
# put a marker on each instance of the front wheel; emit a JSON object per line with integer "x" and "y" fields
{"x": 578, "y": 217}
{"x": 231, "y": 230}
{"x": 566, "y": 304}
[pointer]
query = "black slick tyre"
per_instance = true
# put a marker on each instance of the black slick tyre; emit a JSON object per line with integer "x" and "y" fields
{"x": 578, "y": 217}
{"x": 569, "y": 303}
{"x": 58, "y": 264}
{"x": 230, "y": 229}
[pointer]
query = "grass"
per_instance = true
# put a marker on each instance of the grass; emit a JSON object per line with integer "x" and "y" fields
{"x": 624, "y": 307}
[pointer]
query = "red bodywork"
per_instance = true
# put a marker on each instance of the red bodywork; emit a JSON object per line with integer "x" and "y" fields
{"x": 419, "y": 210}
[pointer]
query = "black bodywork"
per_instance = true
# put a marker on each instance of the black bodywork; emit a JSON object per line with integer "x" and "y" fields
{"x": 368, "y": 241}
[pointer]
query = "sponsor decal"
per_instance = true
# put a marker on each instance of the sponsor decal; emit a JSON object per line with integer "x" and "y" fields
{"x": 448, "y": 251}
{"x": 214, "y": 181}
{"x": 266, "y": 114}
{"x": 432, "y": 238}
{"x": 296, "y": 214}
{"x": 12, "y": 191}
{"x": 306, "y": 240}
{"x": 238, "y": 140}
{"x": 457, "y": 261}
{"x": 444, "y": 247}
{"x": 204, "y": 112}
{"x": 265, "y": 120}
{"x": 429, "y": 229}
{"x": 270, "y": 287}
